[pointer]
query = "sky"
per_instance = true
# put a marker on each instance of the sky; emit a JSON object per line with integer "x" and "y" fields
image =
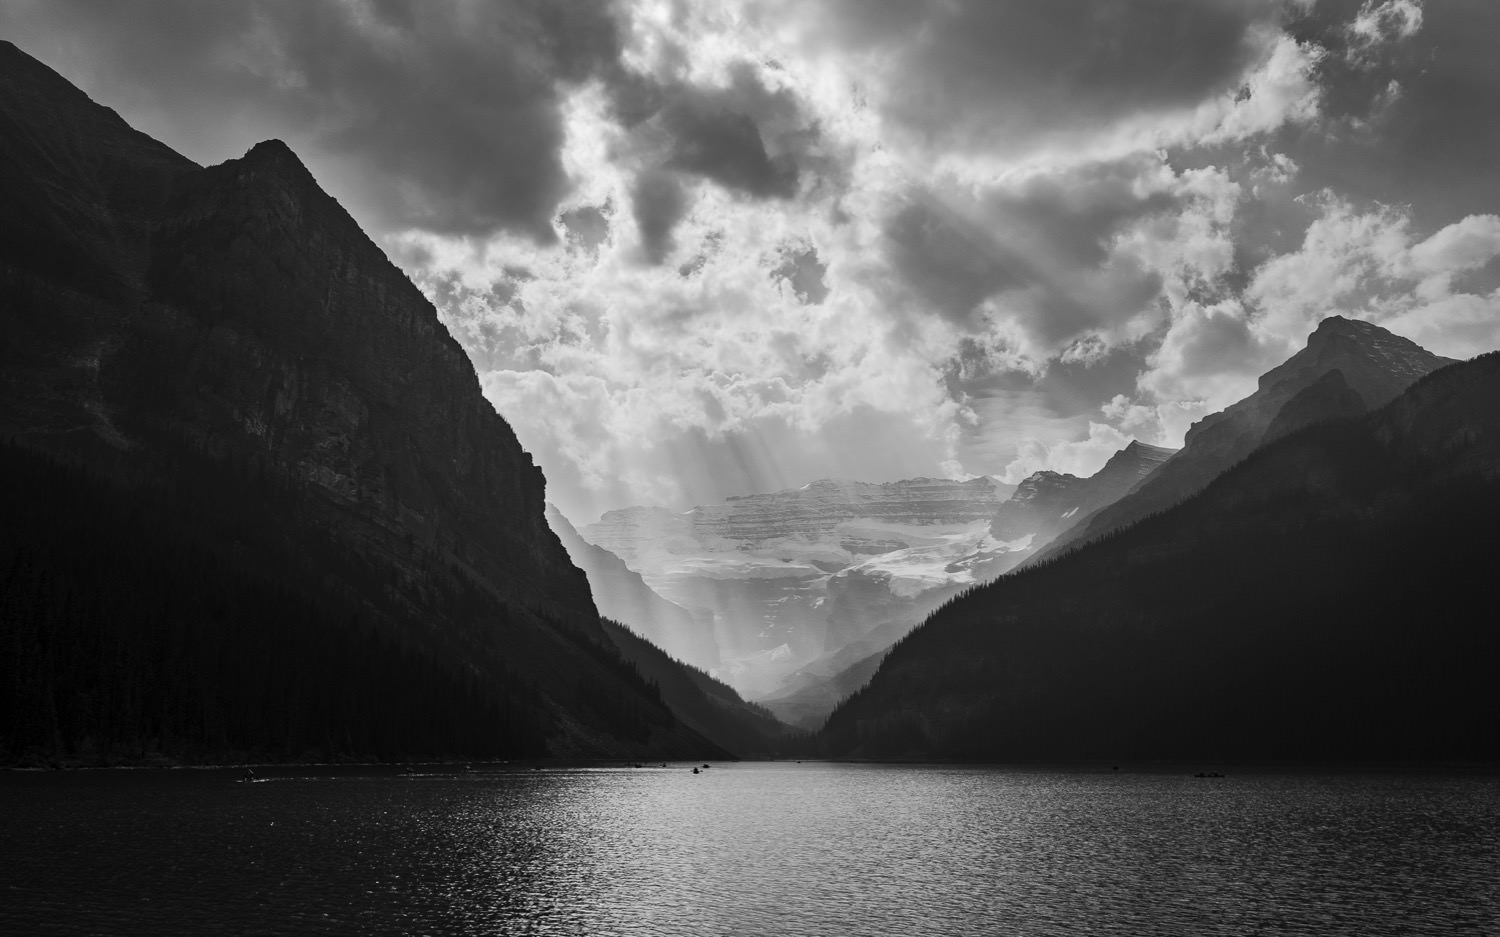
{"x": 701, "y": 249}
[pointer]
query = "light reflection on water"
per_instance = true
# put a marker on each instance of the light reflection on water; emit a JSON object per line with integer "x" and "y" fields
{"x": 778, "y": 849}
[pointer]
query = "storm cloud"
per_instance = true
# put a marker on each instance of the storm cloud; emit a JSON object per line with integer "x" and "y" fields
{"x": 700, "y": 249}
{"x": 438, "y": 115}
{"x": 1008, "y": 76}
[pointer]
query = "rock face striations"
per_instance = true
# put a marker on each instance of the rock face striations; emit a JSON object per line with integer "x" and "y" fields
{"x": 803, "y": 590}
{"x": 240, "y": 382}
{"x": 772, "y": 570}
{"x": 1348, "y": 367}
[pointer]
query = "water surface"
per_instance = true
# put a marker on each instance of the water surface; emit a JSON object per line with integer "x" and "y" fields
{"x": 775, "y": 849}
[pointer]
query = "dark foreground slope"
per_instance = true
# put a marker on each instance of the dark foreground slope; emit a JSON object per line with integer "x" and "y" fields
{"x": 623, "y": 595}
{"x": 255, "y": 501}
{"x": 1348, "y": 367}
{"x": 1330, "y": 598}
{"x": 706, "y": 705}
{"x": 641, "y": 623}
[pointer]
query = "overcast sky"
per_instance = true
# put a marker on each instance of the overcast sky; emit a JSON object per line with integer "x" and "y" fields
{"x": 698, "y": 249}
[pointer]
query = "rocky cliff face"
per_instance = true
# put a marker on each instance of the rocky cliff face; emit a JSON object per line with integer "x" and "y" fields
{"x": 772, "y": 568}
{"x": 1047, "y": 503}
{"x": 1373, "y": 367}
{"x": 186, "y": 329}
{"x": 307, "y": 348}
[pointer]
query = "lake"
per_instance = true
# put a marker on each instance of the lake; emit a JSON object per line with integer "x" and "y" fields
{"x": 752, "y": 848}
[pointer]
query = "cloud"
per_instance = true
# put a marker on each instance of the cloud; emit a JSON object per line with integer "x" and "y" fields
{"x": 438, "y": 115}
{"x": 659, "y": 201}
{"x": 445, "y": 116}
{"x": 717, "y": 133}
{"x": 1408, "y": 96}
{"x": 1464, "y": 245}
{"x": 1363, "y": 264}
{"x": 1071, "y": 457}
{"x": 1380, "y": 21}
{"x": 1033, "y": 260}
{"x": 696, "y": 250}
{"x": 1010, "y": 76}
{"x": 742, "y": 134}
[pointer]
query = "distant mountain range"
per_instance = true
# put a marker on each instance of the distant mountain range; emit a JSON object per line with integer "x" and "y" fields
{"x": 254, "y": 503}
{"x": 1310, "y": 579}
{"x": 780, "y": 579}
{"x": 795, "y": 594}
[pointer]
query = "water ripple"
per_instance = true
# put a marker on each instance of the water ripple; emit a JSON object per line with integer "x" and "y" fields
{"x": 773, "y": 849}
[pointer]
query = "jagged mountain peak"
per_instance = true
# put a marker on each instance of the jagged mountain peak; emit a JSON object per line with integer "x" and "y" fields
{"x": 1376, "y": 362}
{"x": 1047, "y": 474}
{"x": 1137, "y": 449}
{"x": 1137, "y": 459}
{"x": 1047, "y": 503}
{"x": 274, "y": 154}
{"x": 1347, "y": 367}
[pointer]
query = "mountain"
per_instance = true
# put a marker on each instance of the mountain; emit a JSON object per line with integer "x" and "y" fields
{"x": 788, "y": 576}
{"x": 806, "y": 698}
{"x": 641, "y": 623}
{"x": 1373, "y": 366}
{"x": 622, "y": 595}
{"x": 704, "y": 704}
{"x": 256, "y": 504}
{"x": 1047, "y": 503}
{"x": 867, "y": 620}
{"x": 1329, "y": 598}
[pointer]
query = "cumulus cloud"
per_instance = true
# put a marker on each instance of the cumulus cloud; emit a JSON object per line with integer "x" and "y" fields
{"x": 1010, "y": 76}
{"x": 696, "y": 250}
{"x": 1363, "y": 264}
{"x": 1071, "y": 457}
{"x": 1381, "y": 21}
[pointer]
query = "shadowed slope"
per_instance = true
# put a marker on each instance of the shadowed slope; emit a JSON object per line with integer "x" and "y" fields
{"x": 1374, "y": 366}
{"x": 1328, "y": 599}
{"x": 228, "y": 363}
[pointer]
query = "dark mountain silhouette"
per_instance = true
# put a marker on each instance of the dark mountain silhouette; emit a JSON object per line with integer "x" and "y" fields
{"x": 704, "y": 704}
{"x": 641, "y": 623}
{"x": 623, "y": 595}
{"x": 1329, "y": 598}
{"x": 1373, "y": 367}
{"x": 1044, "y": 504}
{"x": 256, "y": 504}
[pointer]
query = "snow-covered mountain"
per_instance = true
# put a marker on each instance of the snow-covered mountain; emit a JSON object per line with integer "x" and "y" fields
{"x": 874, "y": 603}
{"x": 795, "y": 586}
{"x": 789, "y": 576}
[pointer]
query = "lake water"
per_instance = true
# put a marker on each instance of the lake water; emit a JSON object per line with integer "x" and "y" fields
{"x": 775, "y": 849}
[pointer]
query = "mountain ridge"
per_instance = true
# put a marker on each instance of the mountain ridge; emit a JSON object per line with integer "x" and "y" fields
{"x": 242, "y": 386}
{"x": 1375, "y": 366}
{"x": 1273, "y": 616}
